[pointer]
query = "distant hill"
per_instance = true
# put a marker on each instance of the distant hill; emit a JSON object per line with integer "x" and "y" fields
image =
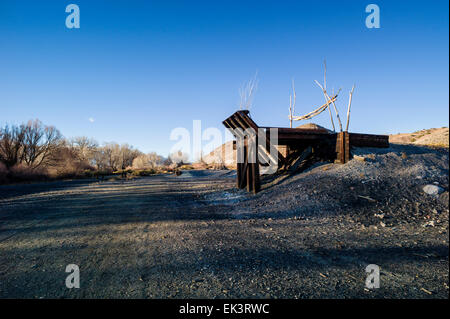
{"x": 429, "y": 137}
{"x": 222, "y": 155}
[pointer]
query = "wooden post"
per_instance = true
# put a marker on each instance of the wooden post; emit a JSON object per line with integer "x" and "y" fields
{"x": 250, "y": 177}
{"x": 238, "y": 175}
{"x": 244, "y": 170}
{"x": 251, "y": 148}
{"x": 342, "y": 147}
{"x": 346, "y": 147}
{"x": 256, "y": 180}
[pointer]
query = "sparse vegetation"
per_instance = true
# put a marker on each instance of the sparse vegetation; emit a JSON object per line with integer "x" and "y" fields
{"x": 36, "y": 152}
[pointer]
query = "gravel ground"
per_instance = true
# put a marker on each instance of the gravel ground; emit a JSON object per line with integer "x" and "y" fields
{"x": 195, "y": 236}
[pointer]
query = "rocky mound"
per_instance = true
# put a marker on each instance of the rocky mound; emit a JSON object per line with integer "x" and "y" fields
{"x": 313, "y": 126}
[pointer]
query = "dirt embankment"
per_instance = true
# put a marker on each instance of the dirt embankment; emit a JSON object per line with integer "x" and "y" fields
{"x": 431, "y": 137}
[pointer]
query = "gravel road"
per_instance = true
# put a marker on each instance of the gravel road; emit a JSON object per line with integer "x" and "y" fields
{"x": 195, "y": 236}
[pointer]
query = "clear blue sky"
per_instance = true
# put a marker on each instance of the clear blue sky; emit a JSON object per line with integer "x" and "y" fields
{"x": 142, "y": 68}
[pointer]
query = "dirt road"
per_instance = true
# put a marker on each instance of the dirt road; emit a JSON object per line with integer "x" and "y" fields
{"x": 180, "y": 237}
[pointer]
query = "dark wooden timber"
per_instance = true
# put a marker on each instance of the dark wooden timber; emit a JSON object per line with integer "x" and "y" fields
{"x": 301, "y": 144}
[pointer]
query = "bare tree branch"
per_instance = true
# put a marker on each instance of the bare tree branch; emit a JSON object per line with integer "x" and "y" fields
{"x": 349, "y": 105}
{"x": 246, "y": 93}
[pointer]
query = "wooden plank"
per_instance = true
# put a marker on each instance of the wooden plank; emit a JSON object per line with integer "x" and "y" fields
{"x": 244, "y": 116}
{"x": 256, "y": 178}
{"x": 235, "y": 127}
{"x": 226, "y": 124}
{"x": 339, "y": 151}
{"x": 238, "y": 175}
{"x": 250, "y": 176}
{"x": 295, "y": 136}
{"x": 303, "y": 156}
{"x": 255, "y": 169}
{"x": 368, "y": 140}
{"x": 244, "y": 170}
{"x": 241, "y": 123}
{"x": 342, "y": 148}
{"x": 346, "y": 147}
{"x": 269, "y": 146}
{"x": 288, "y": 130}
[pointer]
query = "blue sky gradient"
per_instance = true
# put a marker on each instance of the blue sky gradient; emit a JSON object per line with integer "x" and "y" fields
{"x": 142, "y": 68}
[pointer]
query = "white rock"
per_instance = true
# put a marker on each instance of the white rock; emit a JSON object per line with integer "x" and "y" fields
{"x": 432, "y": 189}
{"x": 429, "y": 224}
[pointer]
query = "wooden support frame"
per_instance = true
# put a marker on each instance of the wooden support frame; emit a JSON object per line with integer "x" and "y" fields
{"x": 323, "y": 143}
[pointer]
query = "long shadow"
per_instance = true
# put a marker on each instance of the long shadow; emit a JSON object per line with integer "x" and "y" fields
{"x": 244, "y": 264}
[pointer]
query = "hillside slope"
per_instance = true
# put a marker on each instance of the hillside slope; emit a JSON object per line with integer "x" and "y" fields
{"x": 429, "y": 137}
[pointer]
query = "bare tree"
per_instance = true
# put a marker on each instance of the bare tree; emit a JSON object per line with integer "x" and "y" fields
{"x": 11, "y": 144}
{"x": 146, "y": 161}
{"x": 100, "y": 159}
{"x": 40, "y": 142}
{"x": 113, "y": 156}
{"x": 84, "y": 148}
{"x": 127, "y": 155}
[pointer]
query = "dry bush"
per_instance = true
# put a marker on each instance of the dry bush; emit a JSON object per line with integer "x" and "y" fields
{"x": 34, "y": 151}
{"x": 148, "y": 161}
{"x": 23, "y": 172}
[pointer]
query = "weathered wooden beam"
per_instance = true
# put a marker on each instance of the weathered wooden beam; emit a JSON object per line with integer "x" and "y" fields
{"x": 288, "y": 130}
{"x": 342, "y": 147}
{"x": 244, "y": 116}
{"x": 303, "y": 156}
{"x": 241, "y": 122}
{"x": 256, "y": 178}
{"x": 346, "y": 138}
{"x": 250, "y": 177}
{"x": 238, "y": 175}
{"x": 244, "y": 180}
{"x": 369, "y": 140}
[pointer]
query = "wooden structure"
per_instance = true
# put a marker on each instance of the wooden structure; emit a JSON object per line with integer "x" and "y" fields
{"x": 302, "y": 146}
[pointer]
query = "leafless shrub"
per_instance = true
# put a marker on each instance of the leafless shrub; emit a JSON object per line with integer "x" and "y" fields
{"x": 22, "y": 172}
{"x": 246, "y": 93}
